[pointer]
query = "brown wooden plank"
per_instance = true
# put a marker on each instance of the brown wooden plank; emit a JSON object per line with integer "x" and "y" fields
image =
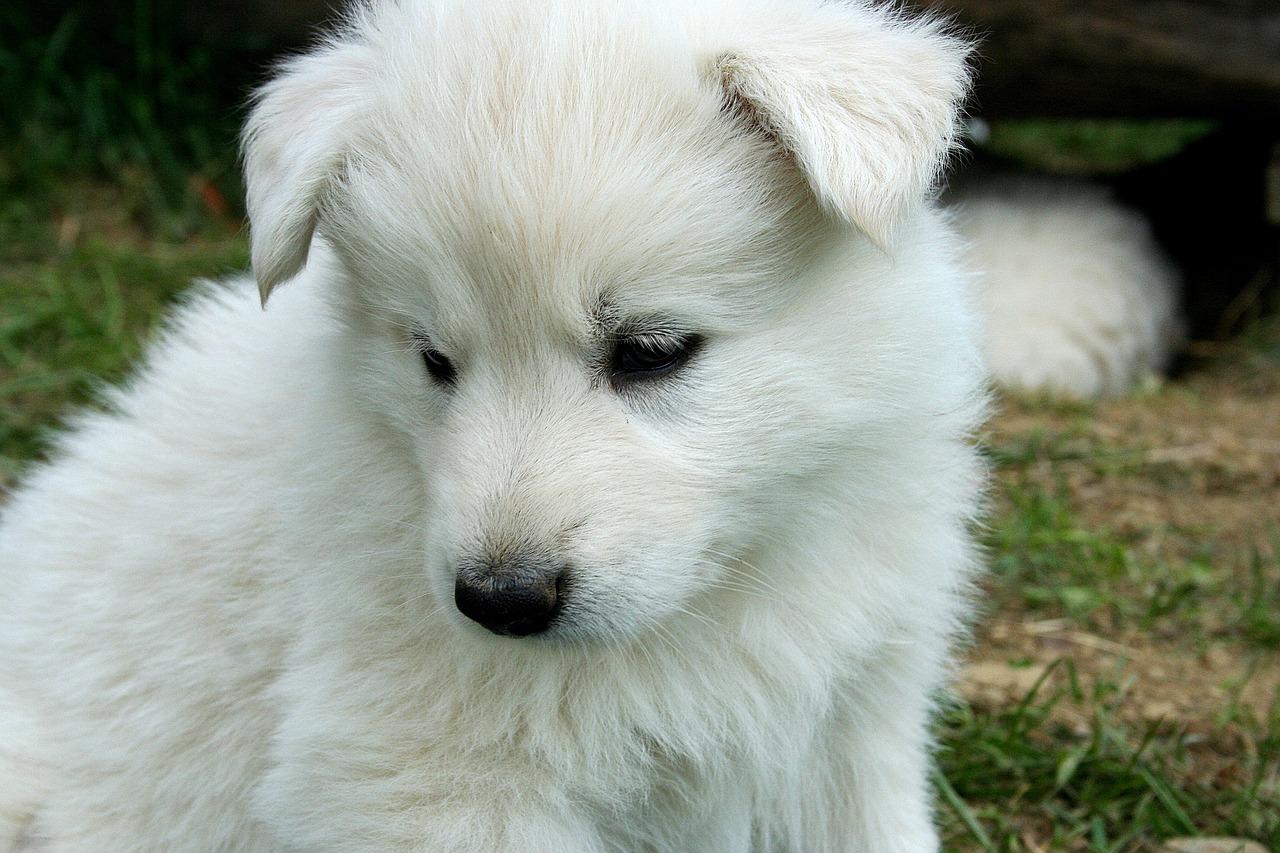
{"x": 1126, "y": 57}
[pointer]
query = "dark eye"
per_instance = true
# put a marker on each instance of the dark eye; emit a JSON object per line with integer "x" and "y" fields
{"x": 651, "y": 356}
{"x": 439, "y": 366}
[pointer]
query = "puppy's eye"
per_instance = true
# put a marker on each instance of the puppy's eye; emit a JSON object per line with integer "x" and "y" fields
{"x": 439, "y": 366}
{"x": 651, "y": 356}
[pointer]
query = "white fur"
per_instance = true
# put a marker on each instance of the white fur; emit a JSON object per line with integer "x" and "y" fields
{"x": 226, "y": 615}
{"x": 1079, "y": 299}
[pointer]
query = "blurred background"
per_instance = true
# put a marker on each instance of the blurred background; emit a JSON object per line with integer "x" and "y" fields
{"x": 1123, "y": 691}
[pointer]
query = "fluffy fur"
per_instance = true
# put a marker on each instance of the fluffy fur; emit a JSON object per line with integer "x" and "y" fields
{"x": 226, "y": 609}
{"x": 1079, "y": 300}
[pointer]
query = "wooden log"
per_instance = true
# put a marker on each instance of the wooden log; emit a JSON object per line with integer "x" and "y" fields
{"x": 1132, "y": 58}
{"x": 1039, "y": 58}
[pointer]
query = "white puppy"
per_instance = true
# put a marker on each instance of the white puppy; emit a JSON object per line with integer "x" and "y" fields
{"x": 601, "y": 481}
{"x": 1079, "y": 300}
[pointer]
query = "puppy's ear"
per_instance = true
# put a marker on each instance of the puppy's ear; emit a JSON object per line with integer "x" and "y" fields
{"x": 295, "y": 142}
{"x": 865, "y": 101}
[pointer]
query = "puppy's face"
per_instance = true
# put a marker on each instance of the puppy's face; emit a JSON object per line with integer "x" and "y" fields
{"x": 563, "y": 306}
{"x": 578, "y": 270}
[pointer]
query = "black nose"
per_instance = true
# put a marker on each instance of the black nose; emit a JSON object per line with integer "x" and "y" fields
{"x": 515, "y": 598}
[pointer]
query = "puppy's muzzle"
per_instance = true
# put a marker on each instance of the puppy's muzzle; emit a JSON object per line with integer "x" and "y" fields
{"x": 514, "y": 597}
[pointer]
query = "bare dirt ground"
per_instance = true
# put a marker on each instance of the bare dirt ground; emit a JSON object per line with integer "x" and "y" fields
{"x": 1186, "y": 476}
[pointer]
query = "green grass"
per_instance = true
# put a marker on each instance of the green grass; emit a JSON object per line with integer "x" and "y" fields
{"x": 1059, "y": 772}
{"x": 118, "y": 183}
{"x": 73, "y": 320}
{"x": 116, "y": 90}
{"x": 1258, "y": 602}
{"x": 1093, "y": 146}
{"x": 1056, "y": 564}
{"x": 1064, "y": 769}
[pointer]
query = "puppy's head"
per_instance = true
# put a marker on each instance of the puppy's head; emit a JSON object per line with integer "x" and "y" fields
{"x": 580, "y": 250}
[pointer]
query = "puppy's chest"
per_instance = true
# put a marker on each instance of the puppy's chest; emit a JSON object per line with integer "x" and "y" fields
{"x": 413, "y": 747}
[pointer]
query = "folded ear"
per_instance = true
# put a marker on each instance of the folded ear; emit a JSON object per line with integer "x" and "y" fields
{"x": 295, "y": 142}
{"x": 865, "y": 101}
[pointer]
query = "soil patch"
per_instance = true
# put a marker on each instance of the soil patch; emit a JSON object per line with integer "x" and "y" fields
{"x": 1186, "y": 476}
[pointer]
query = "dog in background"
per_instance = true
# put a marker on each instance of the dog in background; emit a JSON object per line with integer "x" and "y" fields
{"x": 1078, "y": 299}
